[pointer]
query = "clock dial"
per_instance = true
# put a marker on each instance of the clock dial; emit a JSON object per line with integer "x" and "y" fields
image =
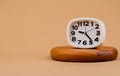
{"x": 85, "y": 33}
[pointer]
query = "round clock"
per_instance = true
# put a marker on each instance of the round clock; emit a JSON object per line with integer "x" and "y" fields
{"x": 85, "y": 32}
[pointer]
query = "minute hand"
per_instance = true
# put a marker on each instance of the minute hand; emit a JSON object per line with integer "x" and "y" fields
{"x": 88, "y": 36}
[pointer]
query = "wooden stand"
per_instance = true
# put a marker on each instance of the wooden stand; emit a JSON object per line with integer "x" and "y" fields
{"x": 67, "y": 53}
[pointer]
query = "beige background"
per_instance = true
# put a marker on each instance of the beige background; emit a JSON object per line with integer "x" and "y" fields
{"x": 30, "y": 28}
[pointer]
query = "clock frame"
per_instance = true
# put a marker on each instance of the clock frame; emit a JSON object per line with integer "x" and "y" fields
{"x": 77, "y": 24}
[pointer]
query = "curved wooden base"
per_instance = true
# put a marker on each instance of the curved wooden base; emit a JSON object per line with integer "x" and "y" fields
{"x": 67, "y": 53}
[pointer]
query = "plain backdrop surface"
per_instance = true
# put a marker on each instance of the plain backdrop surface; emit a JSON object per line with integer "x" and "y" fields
{"x": 29, "y": 29}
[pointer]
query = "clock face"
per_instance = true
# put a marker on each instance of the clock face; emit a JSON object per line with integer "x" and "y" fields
{"x": 85, "y": 32}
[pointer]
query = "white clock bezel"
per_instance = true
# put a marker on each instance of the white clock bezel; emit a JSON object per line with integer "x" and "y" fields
{"x": 86, "y": 18}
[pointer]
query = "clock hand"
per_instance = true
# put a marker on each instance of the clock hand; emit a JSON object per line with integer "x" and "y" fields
{"x": 81, "y": 32}
{"x": 88, "y": 36}
{"x": 85, "y": 29}
{"x": 90, "y": 30}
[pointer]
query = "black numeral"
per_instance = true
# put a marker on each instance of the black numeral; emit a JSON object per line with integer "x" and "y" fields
{"x": 75, "y": 27}
{"x": 97, "y": 26}
{"x": 86, "y": 23}
{"x": 97, "y": 39}
{"x": 72, "y": 32}
{"x": 97, "y": 33}
{"x": 85, "y": 42}
{"x": 79, "y": 41}
{"x": 91, "y": 23}
{"x": 90, "y": 42}
{"x": 73, "y": 39}
{"x": 79, "y": 23}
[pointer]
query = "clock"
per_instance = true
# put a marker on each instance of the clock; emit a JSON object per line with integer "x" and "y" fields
{"x": 88, "y": 34}
{"x": 85, "y": 32}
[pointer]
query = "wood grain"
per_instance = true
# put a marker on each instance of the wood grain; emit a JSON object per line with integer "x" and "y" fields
{"x": 68, "y": 53}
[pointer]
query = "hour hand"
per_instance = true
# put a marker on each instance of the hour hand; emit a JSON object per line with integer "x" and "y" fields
{"x": 81, "y": 32}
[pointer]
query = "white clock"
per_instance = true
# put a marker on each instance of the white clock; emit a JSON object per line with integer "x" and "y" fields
{"x": 85, "y": 32}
